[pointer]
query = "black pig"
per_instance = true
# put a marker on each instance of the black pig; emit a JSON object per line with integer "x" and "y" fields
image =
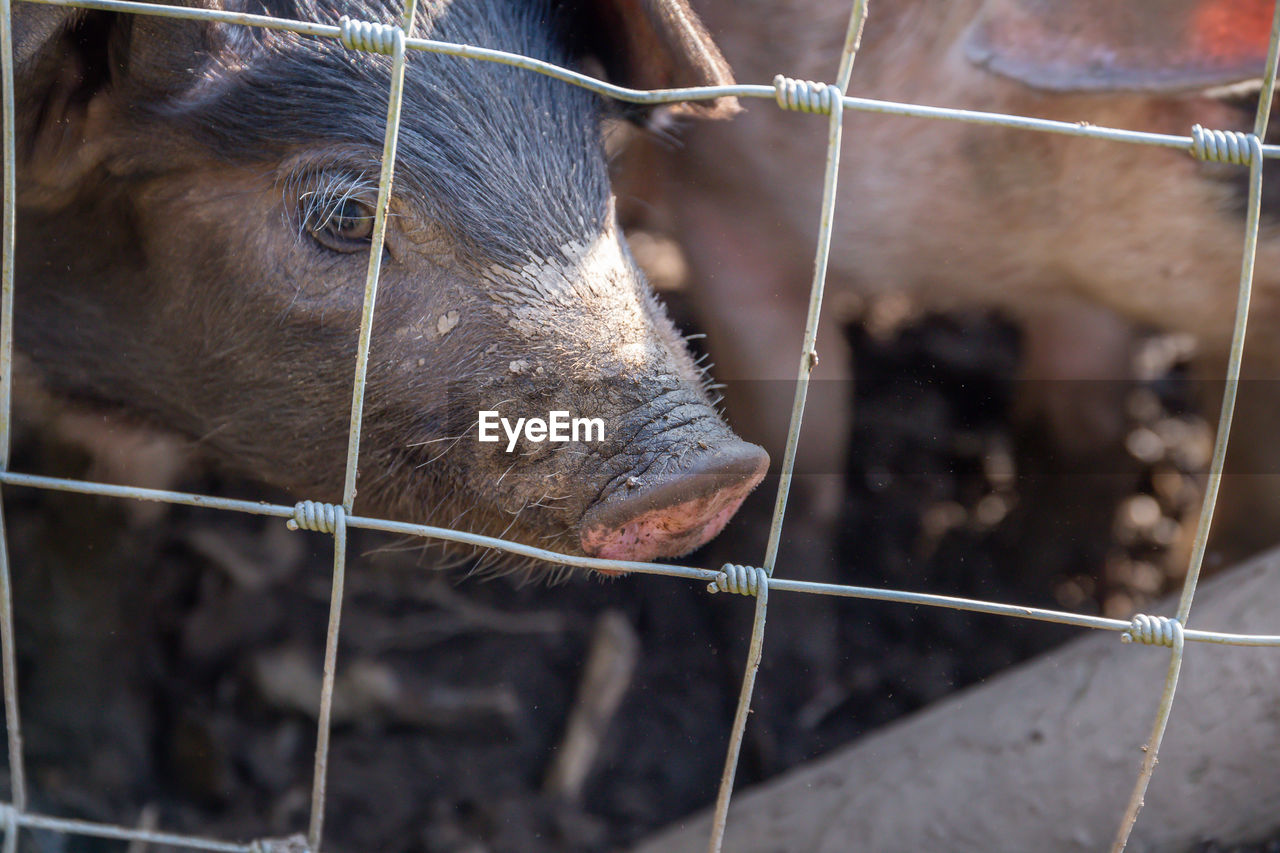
{"x": 195, "y": 209}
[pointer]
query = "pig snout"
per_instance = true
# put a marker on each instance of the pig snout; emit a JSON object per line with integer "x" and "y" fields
{"x": 643, "y": 517}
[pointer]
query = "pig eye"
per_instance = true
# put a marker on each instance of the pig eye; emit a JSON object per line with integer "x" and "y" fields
{"x": 344, "y": 225}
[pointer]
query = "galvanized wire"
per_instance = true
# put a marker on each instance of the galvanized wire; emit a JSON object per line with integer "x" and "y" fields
{"x": 336, "y": 519}
{"x": 8, "y": 243}
{"x": 555, "y": 558}
{"x": 654, "y": 96}
{"x": 755, "y": 651}
{"x": 320, "y": 777}
{"x": 1254, "y": 159}
{"x": 124, "y": 833}
{"x": 852, "y": 41}
{"x": 386, "y": 39}
{"x": 9, "y": 669}
{"x": 8, "y": 238}
{"x": 806, "y": 97}
{"x": 376, "y": 252}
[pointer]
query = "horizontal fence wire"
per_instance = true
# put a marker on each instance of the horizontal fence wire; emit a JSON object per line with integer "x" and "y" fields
{"x": 518, "y": 549}
{"x": 123, "y": 833}
{"x": 653, "y": 96}
{"x": 1247, "y": 149}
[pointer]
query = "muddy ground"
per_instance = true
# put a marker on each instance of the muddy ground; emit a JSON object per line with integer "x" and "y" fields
{"x": 169, "y": 666}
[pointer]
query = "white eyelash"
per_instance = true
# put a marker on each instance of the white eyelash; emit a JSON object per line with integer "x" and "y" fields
{"x": 320, "y": 195}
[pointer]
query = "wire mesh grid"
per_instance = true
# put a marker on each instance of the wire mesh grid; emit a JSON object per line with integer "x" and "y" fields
{"x": 395, "y": 39}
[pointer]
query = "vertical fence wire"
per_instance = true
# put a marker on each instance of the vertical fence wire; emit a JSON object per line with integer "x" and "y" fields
{"x": 376, "y": 252}
{"x": 808, "y": 361}
{"x": 320, "y": 775}
{"x": 1205, "y": 522}
{"x": 755, "y": 651}
{"x": 852, "y": 41}
{"x": 8, "y": 242}
{"x": 1236, "y": 355}
{"x": 809, "y": 353}
{"x": 9, "y": 669}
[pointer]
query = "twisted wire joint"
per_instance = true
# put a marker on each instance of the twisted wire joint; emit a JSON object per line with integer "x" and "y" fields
{"x": 371, "y": 36}
{"x": 1154, "y": 631}
{"x": 313, "y": 515}
{"x": 740, "y": 580}
{"x": 806, "y": 96}
{"x": 1222, "y": 146}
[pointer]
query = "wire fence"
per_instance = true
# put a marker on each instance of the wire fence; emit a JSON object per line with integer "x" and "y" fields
{"x": 396, "y": 40}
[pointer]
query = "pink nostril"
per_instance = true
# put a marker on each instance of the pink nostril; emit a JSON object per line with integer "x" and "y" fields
{"x": 684, "y": 511}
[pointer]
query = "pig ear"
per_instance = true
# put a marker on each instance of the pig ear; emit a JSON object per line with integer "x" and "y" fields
{"x": 1106, "y": 45}
{"x": 657, "y": 44}
{"x": 77, "y": 73}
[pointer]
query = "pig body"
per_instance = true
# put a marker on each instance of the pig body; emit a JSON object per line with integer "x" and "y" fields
{"x": 1066, "y": 234}
{"x": 195, "y": 208}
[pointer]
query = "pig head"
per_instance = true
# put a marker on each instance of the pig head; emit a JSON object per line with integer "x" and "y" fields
{"x": 195, "y": 212}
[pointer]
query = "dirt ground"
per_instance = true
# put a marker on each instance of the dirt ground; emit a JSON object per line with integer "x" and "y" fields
{"x": 169, "y": 667}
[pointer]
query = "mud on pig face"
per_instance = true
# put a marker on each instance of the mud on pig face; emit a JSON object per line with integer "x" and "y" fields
{"x": 196, "y": 213}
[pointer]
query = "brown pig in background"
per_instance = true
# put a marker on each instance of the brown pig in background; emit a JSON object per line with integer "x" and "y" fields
{"x": 1076, "y": 238}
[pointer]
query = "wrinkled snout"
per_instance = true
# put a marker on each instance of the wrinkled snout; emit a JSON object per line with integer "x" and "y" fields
{"x": 678, "y": 511}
